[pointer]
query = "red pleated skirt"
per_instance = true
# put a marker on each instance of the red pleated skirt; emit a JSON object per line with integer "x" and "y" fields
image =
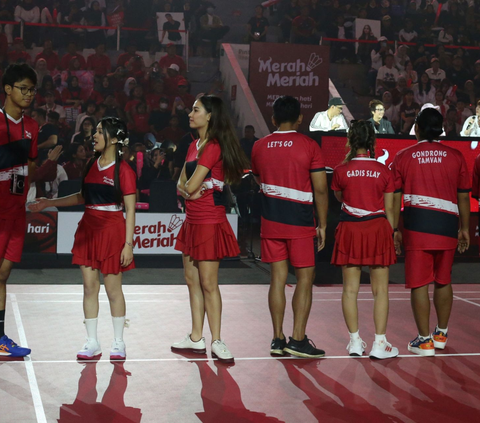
{"x": 207, "y": 242}
{"x": 99, "y": 241}
{"x": 366, "y": 243}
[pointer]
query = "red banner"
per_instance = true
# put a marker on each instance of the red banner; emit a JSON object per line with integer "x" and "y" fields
{"x": 290, "y": 69}
{"x": 41, "y": 233}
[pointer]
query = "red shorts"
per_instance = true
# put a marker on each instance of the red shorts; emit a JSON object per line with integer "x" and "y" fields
{"x": 425, "y": 266}
{"x": 12, "y": 237}
{"x": 300, "y": 251}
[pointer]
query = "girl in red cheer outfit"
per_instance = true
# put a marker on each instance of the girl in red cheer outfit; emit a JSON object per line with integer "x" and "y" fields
{"x": 206, "y": 236}
{"x": 104, "y": 238}
{"x": 364, "y": 234}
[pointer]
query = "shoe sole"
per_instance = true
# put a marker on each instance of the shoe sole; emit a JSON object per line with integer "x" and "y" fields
{"x": 439, "y": 345}
{"x": 277, "y": 352}
{"x": 192, "y": 350}
{"x": 355, "y": 355}
{"x": 86, "y": 357}
{"x": 303, "y": 355}
{"x": 223, "y": 360}
{"x": 118, "y": 357}
{"x": 382, "y": 358}
{"x": 423, "y": 353}
{"x": 14, "y": 355}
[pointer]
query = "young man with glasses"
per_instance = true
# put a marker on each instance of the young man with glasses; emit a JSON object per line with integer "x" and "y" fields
{"x": 380, "y": 125}
{"x": 18, "y": 151}
{"x": 331, "y": 119}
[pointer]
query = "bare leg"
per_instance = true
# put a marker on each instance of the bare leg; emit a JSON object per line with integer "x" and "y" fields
{"x": 276, "y": 296}
{"x": 91, "y": 287}
{"x": 208, "y": 271}
{"x": 113, "y": 286}
{"x": 379, "y": 281}
{"x": 5, "y": 269}
{"x": 195, "y": 292}
{"x": 443, "y": 299}
{"x": 302, "y": 301}
{"x": 421, "y": 309}
{"x": 351, "y": 285}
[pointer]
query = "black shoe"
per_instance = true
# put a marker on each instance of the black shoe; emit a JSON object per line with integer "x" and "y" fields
{"x": 305, "y": 348}
{"x": 277, "y": 346}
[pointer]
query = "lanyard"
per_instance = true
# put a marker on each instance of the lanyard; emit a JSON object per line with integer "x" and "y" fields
{"x": 8, "y": 125}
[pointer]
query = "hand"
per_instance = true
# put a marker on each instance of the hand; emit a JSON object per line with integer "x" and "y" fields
{"x": 39, "y": 205}
{"x": 337, "y": 125}
{"x": 127, "y": 256}
{"x": 198, "y": 193}
{"x": 54, "y": 153}
{"x": 463, "y": 241}
{"x": 159, "y": 159}
{"x": 320, "y": 238}
{"x": 397, "y": 242}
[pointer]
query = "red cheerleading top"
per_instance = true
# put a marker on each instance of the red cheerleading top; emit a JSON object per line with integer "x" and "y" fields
{"x": 430, "y": 175}
{"x": 210, "y": 207}
{"x": 363, "y": 182}
{"x": 14, "y": 157}
{"x": 476, "y": 179}
{"x": 284, "y": 161}
{"x": 99, "y": 186}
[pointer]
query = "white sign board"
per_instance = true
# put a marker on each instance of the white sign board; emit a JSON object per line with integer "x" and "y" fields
{"x": 155, "y": 233}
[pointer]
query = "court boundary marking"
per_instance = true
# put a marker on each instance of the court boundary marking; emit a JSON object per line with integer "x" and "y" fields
{"x": 206, "y": 359}
{"x": 32, "y": 379}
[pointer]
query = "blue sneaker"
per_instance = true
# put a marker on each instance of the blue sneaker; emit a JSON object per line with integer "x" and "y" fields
{"x": 424, "y": 348}
{"x": 8, "y": 348}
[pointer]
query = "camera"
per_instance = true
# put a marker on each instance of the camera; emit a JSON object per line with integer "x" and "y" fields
{"x": 17, "y": 184}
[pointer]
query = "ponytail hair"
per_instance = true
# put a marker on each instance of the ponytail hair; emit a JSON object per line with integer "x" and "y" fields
{"x": 220, "y": 128}
{"x": 360, "y": 135}
{"x": 112, "y": 127}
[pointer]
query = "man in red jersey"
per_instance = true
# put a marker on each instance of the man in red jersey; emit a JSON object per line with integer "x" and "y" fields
{"x": 99, "y": 62}
{"x": 53, "y": 62}
{"x": 435, "y": 185}
{"x": 290, "y": 170}
{"x": 18, "y": 151}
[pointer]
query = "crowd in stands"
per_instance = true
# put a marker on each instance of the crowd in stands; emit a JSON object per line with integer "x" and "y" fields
{"x": 433, "y": 67}
{"x": 75, "y": 91}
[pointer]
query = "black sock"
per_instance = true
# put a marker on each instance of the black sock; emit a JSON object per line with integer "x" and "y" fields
{"x": 2, "y": 323}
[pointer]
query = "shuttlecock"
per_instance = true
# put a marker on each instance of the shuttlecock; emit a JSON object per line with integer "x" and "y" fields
{"x": 175, "y": 222}
{"x": 314, "y": 61}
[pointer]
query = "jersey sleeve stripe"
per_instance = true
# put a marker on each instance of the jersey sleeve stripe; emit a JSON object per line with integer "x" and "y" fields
{"x": 320, "y": 169}
{"x": 287, "y": 193}
{"x": 464, "y": 190}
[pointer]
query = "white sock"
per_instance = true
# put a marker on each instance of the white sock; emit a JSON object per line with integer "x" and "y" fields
{"x": 443, "y": 330}
{"x": 118, "y": 325}
{"x": 91, "y": 326}
{"x": 423, "y": 338}
{"x": 354, "y": 335}
{"x": 380, "y": 338}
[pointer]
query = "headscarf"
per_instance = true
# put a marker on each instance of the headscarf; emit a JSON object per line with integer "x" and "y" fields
{"x": 126, "y": 87}
{"x": 41, "y": 74}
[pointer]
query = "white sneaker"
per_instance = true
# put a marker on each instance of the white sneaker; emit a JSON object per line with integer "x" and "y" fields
{"x": 383, "y": 350}
{"x": 220, "y": 351}
{"x": 356, "y": 347}
{"x": 90, "y": 350}
{"x": 118, "y": 351}
{"x": 187, "y": 345}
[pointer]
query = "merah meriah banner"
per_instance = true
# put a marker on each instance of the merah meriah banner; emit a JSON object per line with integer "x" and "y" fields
{"x": 298, "y": 70}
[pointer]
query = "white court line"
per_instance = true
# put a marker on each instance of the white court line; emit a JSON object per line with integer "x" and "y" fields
{"x": 467, "y": 301}
{"x": 184, "y": 359}
{"x": 32, "y": 379}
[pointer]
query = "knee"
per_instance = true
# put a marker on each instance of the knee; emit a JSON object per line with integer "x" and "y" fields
{"x": 350, "y": 291}
{"x": 209, "y": 287}
{"x": 190, "y": 279}
{"x": 91, "y": 288}
{"x": 114, "y": 293}
{"x": 381, "y": 290}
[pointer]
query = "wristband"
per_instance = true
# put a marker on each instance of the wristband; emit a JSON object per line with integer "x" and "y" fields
{"x": 395, "y": 229}
{"x": 129, "y": 244}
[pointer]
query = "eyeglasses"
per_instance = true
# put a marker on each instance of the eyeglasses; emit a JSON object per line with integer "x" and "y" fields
{"x": 26, "y": 90}
{"x": 379, "y": 110}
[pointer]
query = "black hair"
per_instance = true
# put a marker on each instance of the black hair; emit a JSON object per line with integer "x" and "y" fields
{"x": 88, "y": 119}
{"x": 373, "y": 105}
{"x": 428, "y": 86}
{"x": 286, "y": 109}
{"x": 221, "y": 129}
{"x": 249, "y": 127}
{"x": 41, "y": 112}
{"x": 112, "y": 127}
{"x": 16, "y": 73}
{"x": 72, "y": 150}
{"x": 53, "y": 115}
{"x": 88, "y": 103}
{"x": 430, "y": 124}
{"x": 360, "y": 135}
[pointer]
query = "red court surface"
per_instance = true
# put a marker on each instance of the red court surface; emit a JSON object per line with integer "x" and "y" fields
{"x": 156, "y": 385}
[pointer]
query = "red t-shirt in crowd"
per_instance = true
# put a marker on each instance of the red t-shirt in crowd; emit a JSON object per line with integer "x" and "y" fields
{"x": 99, "y": 186}
{"x": 52, "y": 60}
{"x": 167, "y": 60}
{"x": 363, "y": 182}
{"x": 141, "y": 122}
{"x": 101, "y": 65}
{"x": 14, "y": 156}
{"x": 171, "y": 85}
{"x": 284, "y": 161}
{"x": 430, "y": 175}
{"x": 13, "y": 56}
{"x": 65, "y": 62}
{"x": 131, "y": 106}
{"x": 476, "y": 179}
{"x": 209, "y": 208}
